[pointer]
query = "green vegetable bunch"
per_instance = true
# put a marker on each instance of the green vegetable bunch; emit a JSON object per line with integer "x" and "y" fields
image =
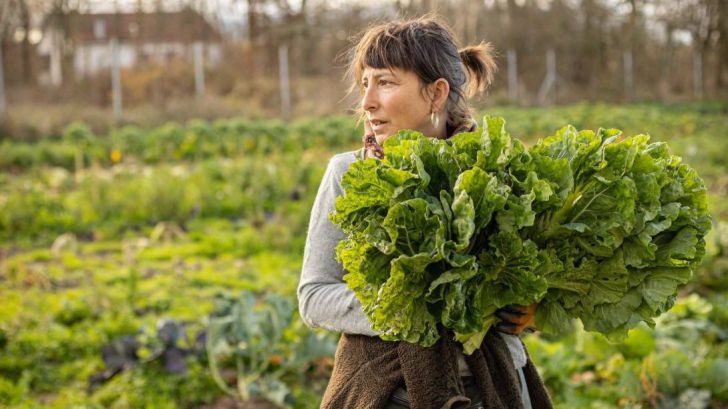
{"x": 590, "y": 225}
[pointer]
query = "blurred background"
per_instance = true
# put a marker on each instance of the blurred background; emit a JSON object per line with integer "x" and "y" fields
{"x": 159, "y": 160}
{"x": 145, "y": 61}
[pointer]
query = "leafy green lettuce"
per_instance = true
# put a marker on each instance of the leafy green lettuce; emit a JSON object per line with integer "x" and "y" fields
{"x": 591, "y": 225}
{"x": 624, "y": 230}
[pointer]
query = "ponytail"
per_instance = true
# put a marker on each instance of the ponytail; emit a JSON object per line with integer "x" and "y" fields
{"x": 480, "y": 63}
{"x": 480, "y": 66}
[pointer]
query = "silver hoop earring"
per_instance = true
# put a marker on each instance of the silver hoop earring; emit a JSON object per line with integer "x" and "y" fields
{"x": 435, "y": 119}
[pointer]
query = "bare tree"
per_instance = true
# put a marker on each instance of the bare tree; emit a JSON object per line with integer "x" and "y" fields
{"x": 721, "y": 73}
{"x": 10, "y": 12}
{"x": 27, "y": 64}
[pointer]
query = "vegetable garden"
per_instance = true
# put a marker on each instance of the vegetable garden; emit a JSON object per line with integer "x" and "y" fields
{"x": 157, "y": 268}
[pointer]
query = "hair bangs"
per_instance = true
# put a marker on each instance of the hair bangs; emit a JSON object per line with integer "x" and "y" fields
{"x": 388, "y": 50}
{"x": 381, "y": 48}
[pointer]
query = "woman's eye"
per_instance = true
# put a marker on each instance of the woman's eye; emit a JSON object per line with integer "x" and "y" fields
{"x": 364, "y": 85}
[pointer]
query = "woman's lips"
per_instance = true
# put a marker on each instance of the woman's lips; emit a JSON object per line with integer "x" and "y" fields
{"x": 378, "y": 126}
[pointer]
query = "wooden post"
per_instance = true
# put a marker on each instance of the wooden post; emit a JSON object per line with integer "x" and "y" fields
{"x": 284, "y": 83}
{"x": 512, "y": 75}
{"x": 2, "y": 85}
{"x": 115, "y": 78}
{"x": 698, "y": 74}
{"x": 199, "y": 70}
{"x": 548, "y": 83}
{"x": 56, "y": 57}
{"x": 628, "y": 75}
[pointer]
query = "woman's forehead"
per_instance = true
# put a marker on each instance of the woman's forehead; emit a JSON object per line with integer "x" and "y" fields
{"x": 371, "y": 71}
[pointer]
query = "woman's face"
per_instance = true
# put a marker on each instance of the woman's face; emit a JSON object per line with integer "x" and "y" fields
{"x": 393, "y": 101}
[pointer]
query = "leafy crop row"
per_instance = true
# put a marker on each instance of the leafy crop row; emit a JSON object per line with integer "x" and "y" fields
{"x": 198, "y": 140}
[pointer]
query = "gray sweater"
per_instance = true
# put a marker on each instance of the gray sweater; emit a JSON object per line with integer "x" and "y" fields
{"x": 324, "y": 300}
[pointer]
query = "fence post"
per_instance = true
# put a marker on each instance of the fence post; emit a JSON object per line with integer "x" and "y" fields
{"x": 698, "y": 74}
{"x": 199, "y": 70}
{"x": 2, "y": 85}
{"x": 56, "y": 58}
{"x": 548, "y": 83}
{"x": 512, "y": 75}
{"x": 284, "y": 82}
{"x": 628, "y": 75}
{"x": 115, "y": 78}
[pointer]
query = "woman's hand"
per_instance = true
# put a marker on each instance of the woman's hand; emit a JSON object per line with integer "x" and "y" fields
{"x": 516, "y": 319}
{"x": 373, "y": 149}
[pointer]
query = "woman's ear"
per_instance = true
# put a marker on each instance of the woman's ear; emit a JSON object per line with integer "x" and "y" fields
{"x": 440, "y": 90}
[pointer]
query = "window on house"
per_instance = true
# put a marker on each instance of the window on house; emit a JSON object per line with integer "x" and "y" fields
{"x": 99, "y": 29}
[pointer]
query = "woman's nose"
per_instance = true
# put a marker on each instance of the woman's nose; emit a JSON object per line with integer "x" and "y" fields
{"x": 369, "y": 100}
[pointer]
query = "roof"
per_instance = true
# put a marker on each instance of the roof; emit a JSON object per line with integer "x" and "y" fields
{"x": 186, "y": 26}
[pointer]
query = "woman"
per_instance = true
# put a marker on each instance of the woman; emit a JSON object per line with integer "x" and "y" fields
{"x": 410, "y": 75}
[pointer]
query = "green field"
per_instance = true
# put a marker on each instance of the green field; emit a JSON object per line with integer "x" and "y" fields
{"x": 158, "y": 267}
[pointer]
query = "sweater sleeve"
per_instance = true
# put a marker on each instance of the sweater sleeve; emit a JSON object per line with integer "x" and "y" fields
{"x": 324, "y": 300}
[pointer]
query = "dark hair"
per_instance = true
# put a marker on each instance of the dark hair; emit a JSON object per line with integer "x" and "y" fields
{"x": 427, "y": 47}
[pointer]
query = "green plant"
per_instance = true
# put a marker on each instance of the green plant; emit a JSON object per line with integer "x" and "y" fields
{"x": 251, "y": 334}
{"x": 446, "y": 232}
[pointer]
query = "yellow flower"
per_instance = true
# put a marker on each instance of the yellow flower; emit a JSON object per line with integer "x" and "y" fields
{"x": 115, "y": 155}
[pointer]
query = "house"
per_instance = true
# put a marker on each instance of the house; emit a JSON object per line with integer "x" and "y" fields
{"x": 140, "y": 38}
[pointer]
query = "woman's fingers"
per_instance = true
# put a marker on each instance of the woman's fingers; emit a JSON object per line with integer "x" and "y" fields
{"x": 514, "y": 309}
{"x": 515, "y": 319}
{"x": 507, "y": 327}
